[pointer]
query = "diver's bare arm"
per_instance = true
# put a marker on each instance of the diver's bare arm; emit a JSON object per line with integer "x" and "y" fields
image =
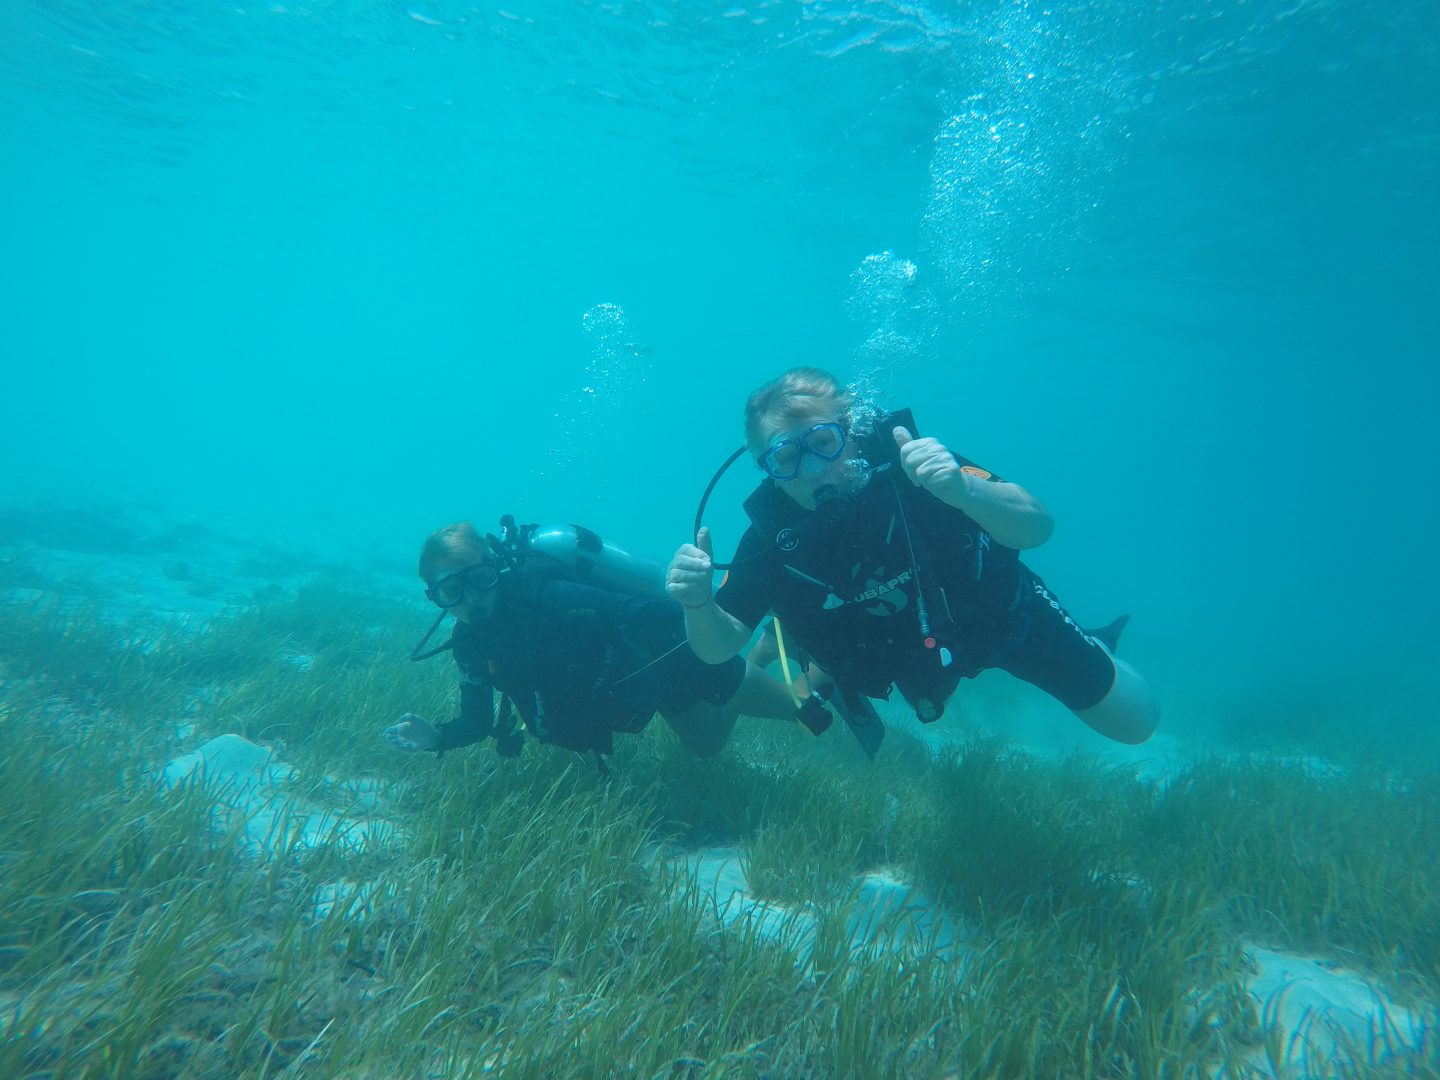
{"x": 715, "y": 635}
{"x": 1006, "y": 511}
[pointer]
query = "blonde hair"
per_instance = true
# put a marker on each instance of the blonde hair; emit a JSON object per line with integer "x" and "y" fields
{"x": 457, "y": 543}
{"x": 802, "y": 393}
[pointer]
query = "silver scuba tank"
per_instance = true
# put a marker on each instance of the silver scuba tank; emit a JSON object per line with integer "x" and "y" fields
{"x": 593, "y": 561}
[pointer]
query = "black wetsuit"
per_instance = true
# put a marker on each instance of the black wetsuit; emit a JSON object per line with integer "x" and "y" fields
{"x": 579, "y": 664}
{"x": 846, "y": 582}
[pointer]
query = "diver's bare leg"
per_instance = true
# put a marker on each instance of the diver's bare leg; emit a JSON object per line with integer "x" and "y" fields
{"x": 767, "y": 648}
{"x": 703, "y": 728}
{"x": 1129, "y": 712}
{"x": 762, "y": 695}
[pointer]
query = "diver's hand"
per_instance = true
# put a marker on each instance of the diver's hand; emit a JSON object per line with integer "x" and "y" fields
{"x": 412, "y": 733}
{"x": 930, "y": 465}
{"x": 691, "y": 570}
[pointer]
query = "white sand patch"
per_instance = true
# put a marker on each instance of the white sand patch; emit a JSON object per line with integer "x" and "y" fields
{"x": 231, "y": 762}
{"x": 249, "y": 791}
{"x": 1317, "y": 1013}
{"x": 1314, "y": 1013}
{"x": 883, "y": 915}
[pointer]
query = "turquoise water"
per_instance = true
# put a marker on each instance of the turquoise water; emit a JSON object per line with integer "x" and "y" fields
{"x": 374, "y": 267}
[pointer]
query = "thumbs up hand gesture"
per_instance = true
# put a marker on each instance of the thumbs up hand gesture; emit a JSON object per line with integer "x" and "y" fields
{"x": 930, "y": 465}
{"x": 689, "y": 575}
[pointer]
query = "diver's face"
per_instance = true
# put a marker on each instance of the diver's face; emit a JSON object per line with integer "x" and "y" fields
{"x": 474, "y": 587}
{"x": 808, "y": 448}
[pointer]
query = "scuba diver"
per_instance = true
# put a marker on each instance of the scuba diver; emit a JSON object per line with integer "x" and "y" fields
{"x": 893, "y": 562}
{"x": 580, "y": 641}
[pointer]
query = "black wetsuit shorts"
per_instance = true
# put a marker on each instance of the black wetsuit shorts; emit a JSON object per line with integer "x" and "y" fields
{"x": 692, "y": 681}
{"x": 1049, "y": 649}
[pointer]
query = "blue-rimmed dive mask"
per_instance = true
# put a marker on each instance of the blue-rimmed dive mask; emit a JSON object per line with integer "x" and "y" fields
{"x": 449, "y": 590}
{"x": 784, "y": 457}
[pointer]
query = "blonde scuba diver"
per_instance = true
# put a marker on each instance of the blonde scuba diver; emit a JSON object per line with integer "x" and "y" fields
{"x": 894, "y": 564}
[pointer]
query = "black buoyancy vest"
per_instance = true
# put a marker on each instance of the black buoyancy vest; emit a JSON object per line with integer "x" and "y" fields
{"x": 576, "y": 705}
{"x": 856, "y": 571}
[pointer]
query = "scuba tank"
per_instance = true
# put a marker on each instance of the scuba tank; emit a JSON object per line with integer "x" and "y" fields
{"x": 573, "y": 551}
{"x": 588, "y": 559}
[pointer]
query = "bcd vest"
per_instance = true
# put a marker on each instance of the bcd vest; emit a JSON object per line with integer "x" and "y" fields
{"x": 859, "y": 570}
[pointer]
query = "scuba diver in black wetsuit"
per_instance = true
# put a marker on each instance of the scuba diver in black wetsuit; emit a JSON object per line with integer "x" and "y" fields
{"x": 892, "y": 561}
{"x": 579, "y": 640}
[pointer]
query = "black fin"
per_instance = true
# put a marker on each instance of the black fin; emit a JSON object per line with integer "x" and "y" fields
{"x": 508, "y": 744}
{"x": 1110, "y": 635}
{"x": 859, "y": 714}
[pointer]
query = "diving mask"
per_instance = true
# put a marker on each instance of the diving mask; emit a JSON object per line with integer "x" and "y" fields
{"x": 449, "y": 590}
{"x": 783, "y": 459}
